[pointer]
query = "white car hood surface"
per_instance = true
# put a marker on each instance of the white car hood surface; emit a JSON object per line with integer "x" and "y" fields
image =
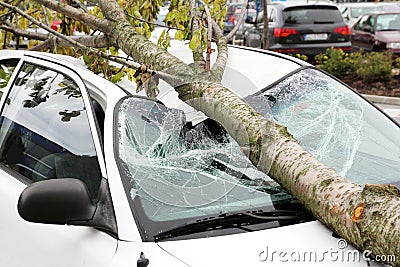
{"x": 302, "y": 244}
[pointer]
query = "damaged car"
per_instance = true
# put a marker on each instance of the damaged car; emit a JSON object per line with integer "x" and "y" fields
{"x": 92, "y": 174}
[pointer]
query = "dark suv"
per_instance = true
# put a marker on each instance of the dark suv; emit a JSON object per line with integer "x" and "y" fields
{"x": 306, "y": 28}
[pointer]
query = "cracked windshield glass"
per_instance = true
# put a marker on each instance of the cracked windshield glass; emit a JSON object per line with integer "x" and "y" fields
{"x": 183, "y": 170}
{"x": 338, "y": 127}
{"x": 179, "y": 168}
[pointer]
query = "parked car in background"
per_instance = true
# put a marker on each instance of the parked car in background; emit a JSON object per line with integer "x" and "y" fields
{"x": 378, "y": 31}
{"x": 298, "y": 27}
{"x": 352, "y": 11}
{"x": 239, "y": 35}
{"x": 231, "y": 15}
{"x": 95, "y": 175}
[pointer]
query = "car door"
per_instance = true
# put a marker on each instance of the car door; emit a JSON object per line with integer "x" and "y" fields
{"x": 47, "y": 131}
{"x": 362, "y": 36}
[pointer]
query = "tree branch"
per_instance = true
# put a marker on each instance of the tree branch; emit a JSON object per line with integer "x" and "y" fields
{"x": 198, "y": 52}
{"x": 132, "y": 43}
{"x": 43, "y": 26}
{"x": 96, "y": 41}
{"x": 209, "y": 33}
{"x": 94, "y": 22}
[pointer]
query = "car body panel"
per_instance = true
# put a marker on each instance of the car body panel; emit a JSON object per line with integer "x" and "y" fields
{"x": 40, "y": 244}
{"x": 388, "y": 36}
{"x": 264, "y": 247}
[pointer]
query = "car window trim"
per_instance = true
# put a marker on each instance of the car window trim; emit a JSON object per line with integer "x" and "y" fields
{"x": 72, "y": 74}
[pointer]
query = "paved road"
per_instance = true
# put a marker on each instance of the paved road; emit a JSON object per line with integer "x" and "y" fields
{"x": 392, "y": 110}
{"x": 390, "y": 105}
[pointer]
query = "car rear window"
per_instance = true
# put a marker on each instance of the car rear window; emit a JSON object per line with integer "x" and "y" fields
{"x": 312, "y": 15}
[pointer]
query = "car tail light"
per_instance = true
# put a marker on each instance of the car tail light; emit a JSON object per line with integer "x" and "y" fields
{"x": 345, "y": 30}
{"x": 346, "y": 48}
{"x": 284, "y": 32}
{"x": 287, "y": 51}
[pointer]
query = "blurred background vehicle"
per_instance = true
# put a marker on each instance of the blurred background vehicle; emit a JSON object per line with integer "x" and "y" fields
{"x": 378, "y": 31}
{"x": 239, "y": 35}
{"x": 298, "y": 27}
{"x": 233, "y": 12}
{"x": 352, "y": 11}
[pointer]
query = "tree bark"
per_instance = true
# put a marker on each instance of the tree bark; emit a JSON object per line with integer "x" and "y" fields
{"x": 266, "y": 26}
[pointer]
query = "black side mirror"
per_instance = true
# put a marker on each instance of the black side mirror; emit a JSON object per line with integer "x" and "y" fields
{"x": 249, "y": 20}
{"x": 367, "y": 28}
{"x": 56, "y": 201}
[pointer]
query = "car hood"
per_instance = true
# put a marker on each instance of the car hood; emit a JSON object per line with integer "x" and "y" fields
{"x": 388, "y": 36}
{"x": 297, "y": 245}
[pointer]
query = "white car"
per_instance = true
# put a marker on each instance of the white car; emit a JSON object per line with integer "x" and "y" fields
{"x": 351, "y": 12}
{"x": 92, "y": 175}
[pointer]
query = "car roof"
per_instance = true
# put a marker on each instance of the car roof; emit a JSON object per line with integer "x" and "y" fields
{"x": 367, "y": 4}
{"x": 8, "y": 53}
{"x": 284, "y": 5}
{"x": 381, "y": 13}
{"x": 261, "y": 67}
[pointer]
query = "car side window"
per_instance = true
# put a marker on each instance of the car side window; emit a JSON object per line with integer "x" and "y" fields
{"x": 370, "y": 22}
{"x": 272, "y": 15}
{"x": 6, "y": 69}
{"x": 44, "y": 129}
{"x": 361, "y": 23}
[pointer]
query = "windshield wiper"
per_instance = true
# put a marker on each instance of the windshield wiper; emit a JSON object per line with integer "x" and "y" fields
{"x": 234, "y": 220}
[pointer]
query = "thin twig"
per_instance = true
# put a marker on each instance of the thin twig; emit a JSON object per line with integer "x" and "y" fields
{"x": 239, "y": 22}
{"x": 209, "y": 37}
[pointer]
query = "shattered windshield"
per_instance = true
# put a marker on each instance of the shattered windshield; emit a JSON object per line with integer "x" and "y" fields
{"x": 338, "y": 127}
{"x": 176, "y": 171}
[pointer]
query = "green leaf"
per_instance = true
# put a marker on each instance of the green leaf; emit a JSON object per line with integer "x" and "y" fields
{"x": 161, "y": 38}
{"x": 179, "y": 35}
{"x": 195, "y": 41}
{"x": 88, "y": 59}
{"x": 117, "y": 77}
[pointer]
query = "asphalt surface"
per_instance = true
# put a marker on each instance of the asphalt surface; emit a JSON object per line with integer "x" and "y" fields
{"x": 390, "y": 105}
{"x": 392, "y": 110}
